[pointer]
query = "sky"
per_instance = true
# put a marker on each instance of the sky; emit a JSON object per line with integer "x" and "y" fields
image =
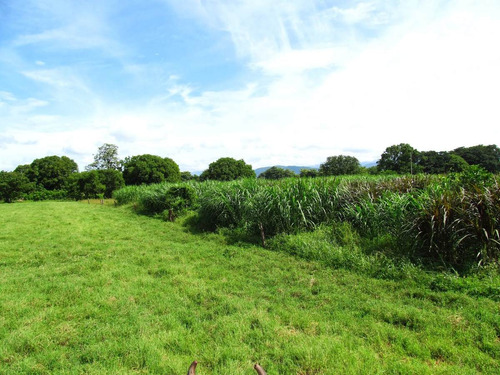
{"x": 282, "y": 82}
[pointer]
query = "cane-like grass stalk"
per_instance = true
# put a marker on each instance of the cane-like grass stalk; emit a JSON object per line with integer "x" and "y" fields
{"x": 452, "y": 219}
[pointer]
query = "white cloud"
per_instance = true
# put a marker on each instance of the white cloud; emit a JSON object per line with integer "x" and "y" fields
{"x": 61, "y": 78}
{"x": 324, "y": 80}
{"x": 7, "y": 96}
{"x": 69, "y": 25}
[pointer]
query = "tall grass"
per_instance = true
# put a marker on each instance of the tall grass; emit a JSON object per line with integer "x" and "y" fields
{"x": 451, "y": 219}
{"x": 459, "y": 219}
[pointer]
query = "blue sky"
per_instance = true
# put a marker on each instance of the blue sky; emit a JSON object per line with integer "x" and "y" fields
{"x": 271, "y": 82}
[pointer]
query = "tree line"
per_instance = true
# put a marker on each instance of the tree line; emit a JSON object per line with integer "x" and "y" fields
{"x": 55, "y": 177}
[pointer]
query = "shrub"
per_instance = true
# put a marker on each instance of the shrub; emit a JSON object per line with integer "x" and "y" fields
{"x": 180, "y": 198}
{"x": 42, "y": 195}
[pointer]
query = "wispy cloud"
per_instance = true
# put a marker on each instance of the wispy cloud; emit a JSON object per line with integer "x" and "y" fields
{"x": 58, "y": 78}
{"x": 309, "y": 79}
{"x": 71, "y": 25}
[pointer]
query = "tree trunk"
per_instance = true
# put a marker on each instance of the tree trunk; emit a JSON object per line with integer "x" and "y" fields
{"x": 262, "y": 235}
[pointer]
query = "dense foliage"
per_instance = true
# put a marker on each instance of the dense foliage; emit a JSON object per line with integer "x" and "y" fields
{"x": 150, "y": 169}
{"x": 50, "y": 172}
{"x": 432, "y": 162}
{"x": 13, "y": 185}
{"x": 85, "y": 185}
{"x": 275, "y": 173}
{"x": 453, "y": 220}
{"x": 400, "y": 158}
{"x": 487, "y": 157}
{"x": 227, "y": 169}
{"x": 55, "y": 177}
{"x": 309, "y": 172}
{"x": 112, "y": 180}
{"x": 339, "y": 165}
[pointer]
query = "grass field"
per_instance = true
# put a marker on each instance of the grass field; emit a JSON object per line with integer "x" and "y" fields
{"x": 91, "y": 289}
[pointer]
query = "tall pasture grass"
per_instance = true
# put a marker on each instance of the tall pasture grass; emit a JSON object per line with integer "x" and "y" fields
{"x": 459, "y": 219}
{"x": 453, "y": 219}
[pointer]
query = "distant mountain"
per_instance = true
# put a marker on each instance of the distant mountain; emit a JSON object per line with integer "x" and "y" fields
{"x": 369, "y": 164}
{"x": 293, "y": 168}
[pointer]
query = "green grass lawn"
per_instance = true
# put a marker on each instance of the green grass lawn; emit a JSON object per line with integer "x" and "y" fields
{"x": 91, "y": 289}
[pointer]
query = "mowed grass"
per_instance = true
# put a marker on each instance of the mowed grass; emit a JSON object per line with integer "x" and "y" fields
{"x": 91, "y": 289}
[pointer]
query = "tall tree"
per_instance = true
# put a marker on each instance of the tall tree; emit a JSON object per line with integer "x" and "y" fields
{"x": 276, "y": 173}
{"x": 112, "y": 180}
{"x": 227, "y": 169}
{"x": 51, "y": 172}
{"x": 309, "y": 173}
{"x": 487, "y": 157}
{"x": 106, "y": 158}
{"x": 85, "y": 185}
{"x": 339, "y": 165}
{"x": 400, "y": 158}
{"x": 149, "y": 169}
{"x": 434, "y": 162}
{"x": 13, "y": 185}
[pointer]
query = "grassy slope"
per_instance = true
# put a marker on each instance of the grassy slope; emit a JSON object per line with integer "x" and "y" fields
{"x": 99, "y": 290}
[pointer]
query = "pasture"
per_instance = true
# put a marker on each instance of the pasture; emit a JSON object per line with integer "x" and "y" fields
{"x": 91, "y": 289}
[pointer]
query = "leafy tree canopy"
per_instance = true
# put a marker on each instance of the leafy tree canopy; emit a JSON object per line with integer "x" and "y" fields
{"x": 85, "y": 185}
{"x": 13, "y": 185}
{"x": 91, "y": 184}
{"x": 227, "y": 169}
{"x": 339, "y": 165}
{"x": 275, "y": 173}
{"x": 309, "y": 173}
{"x": 112, "y": 180}
{"x": 24, "y": 170}
{"x": 51, "y": 172}
{"x": 400, "y": 158}
{"x": 150, "y": 169}
{"x": 187, "y": 176}
{"x": 106, "y": 158}
{"x": 434, "y": 162}
{"x": 487, "y": 157}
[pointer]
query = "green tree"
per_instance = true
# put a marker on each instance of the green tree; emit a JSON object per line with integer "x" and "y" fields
{"x": 85, "y": 185}
{"x": 112, "y": 180}
{"x": 24, "y": 170}
{"x": 51, "y": 172}
{"x": 400, "y": 158}
{"x": 13, "y": 185}
{"x": 339, "y": 165}
{"x": 187, "y": 176}
{"x": 487, "y": 157}
{"x": 106, "y": 158}
{"x": 150, "y": 169}
{"x": 434, "y": 162}
{"x": 227, "y": 169}
{"x": 276, "y": 173}
{"x": 309, "y": 173}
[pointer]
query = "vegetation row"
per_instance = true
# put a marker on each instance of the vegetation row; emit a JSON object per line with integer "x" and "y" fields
{"x": 54, "y": 177}
{"x": 451, "y": 220}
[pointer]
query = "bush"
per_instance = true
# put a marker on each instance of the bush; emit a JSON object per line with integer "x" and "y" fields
{"x": 42, "y": 195}
{"x": 179, "y": 199}
{"x": 171, "y": 200}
